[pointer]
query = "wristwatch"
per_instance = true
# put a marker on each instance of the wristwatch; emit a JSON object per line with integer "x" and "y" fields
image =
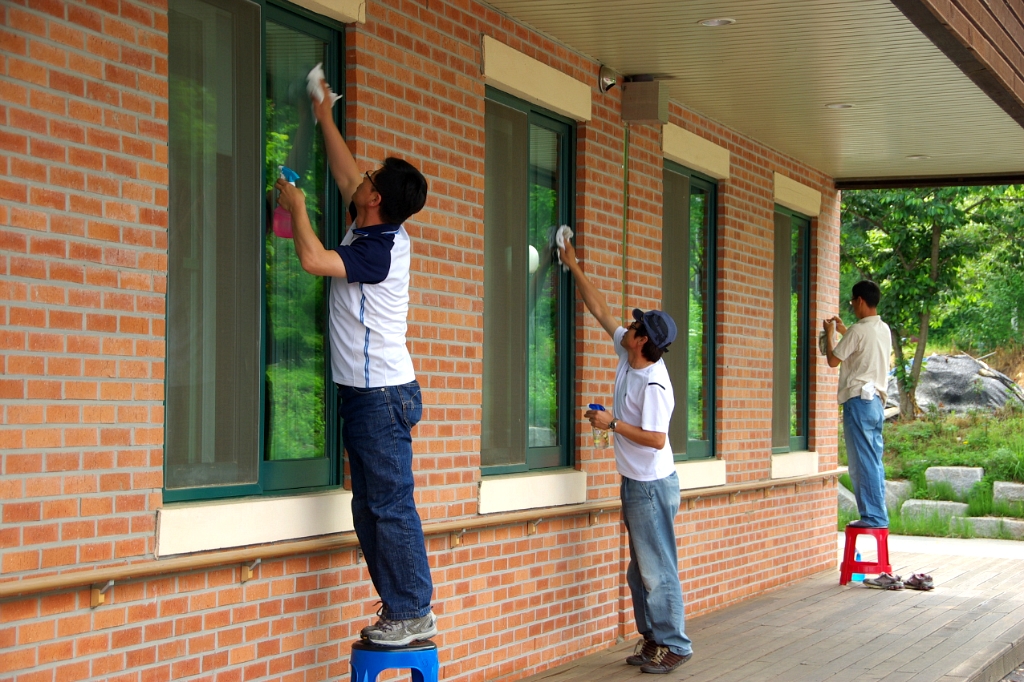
{"x": 611, "y": 426}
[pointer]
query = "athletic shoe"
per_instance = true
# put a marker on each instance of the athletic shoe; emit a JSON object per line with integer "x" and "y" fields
{"x": 643, "y": 653}
{"x": 664, "y": 661}
{"x": 389, "y": 632}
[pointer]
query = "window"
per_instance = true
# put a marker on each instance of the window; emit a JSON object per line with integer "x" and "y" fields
{"x": 527, "y": 369}
{"x": 688, "y": 295}
{"x": 248, "y": 410}
{"x": 790, "y": 331}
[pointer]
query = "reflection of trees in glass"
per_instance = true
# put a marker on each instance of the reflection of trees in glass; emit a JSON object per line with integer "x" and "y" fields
{"x": 794, "y": 369}
{"x": 797, "y": 328}
{"x": 695, "y": 334}
{"x": 542, "y": 384}
{"x": 295, "y": 300}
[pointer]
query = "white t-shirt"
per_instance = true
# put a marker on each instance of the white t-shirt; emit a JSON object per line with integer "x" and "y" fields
{"x": 644, "y": 398}
{"x": 864, "y": 350}
{"x": 369, "y": 308}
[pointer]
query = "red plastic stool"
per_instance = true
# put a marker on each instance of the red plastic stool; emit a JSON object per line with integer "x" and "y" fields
{"x": 851, "y": 565}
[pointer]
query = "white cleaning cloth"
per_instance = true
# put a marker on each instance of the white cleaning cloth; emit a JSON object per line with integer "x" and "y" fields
{"x": 313, "y": 86}
{"x": 562, "y": 236}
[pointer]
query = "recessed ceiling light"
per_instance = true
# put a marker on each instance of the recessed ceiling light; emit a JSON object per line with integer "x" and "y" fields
{"x": 839, "y": 105}
{"x": 918, "y": 157}
{"x": 720, "y": 21}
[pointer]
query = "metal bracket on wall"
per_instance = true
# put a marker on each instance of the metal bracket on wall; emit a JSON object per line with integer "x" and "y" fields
{"x": 594, "y": 516}
{"x": 531, "y": 526}
{"x": 247, "y": 570}
{"x": 455, "y": 538}
{"x": 98, "y": 594}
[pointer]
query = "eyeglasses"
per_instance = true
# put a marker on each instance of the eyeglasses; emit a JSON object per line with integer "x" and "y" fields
{"x": 372, "y": 183}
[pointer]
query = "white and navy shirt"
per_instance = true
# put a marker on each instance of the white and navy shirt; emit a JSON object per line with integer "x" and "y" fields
{"x": 644, "y": 398}
{"x": 369, "y": 309}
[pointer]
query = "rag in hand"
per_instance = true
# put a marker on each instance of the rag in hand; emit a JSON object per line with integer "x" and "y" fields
{"x": 562, "y": 236}
{"x": 313, "y": 86}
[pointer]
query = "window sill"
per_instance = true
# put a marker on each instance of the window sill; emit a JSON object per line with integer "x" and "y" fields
{"x": 515, "y": 492}
{"x": 205, "y": 526}
{"x": 791, "y": 464}
{"x": 700, "y": 473}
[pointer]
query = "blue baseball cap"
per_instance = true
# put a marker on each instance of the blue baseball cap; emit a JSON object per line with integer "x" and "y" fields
{"x": 661, "y": 328}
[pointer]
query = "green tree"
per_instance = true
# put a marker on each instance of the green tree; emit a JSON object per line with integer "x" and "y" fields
{"x": 990, "y": 311}
{"x": 915, "y": 244}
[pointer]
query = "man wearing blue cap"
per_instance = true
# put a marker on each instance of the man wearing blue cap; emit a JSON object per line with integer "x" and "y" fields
{"x": 640, "y": 416}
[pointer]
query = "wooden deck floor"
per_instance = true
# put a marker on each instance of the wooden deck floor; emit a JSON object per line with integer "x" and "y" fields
{"x": 971, "y": 627}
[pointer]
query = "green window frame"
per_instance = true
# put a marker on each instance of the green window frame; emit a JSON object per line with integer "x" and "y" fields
{"x": 791, "y": 331}
{"x": 689, "y": 236}
{"x": 250, "y": 407}
{"x": 528, "y": 360}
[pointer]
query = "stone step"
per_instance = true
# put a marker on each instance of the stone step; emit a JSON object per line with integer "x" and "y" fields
{"x": 922, "y": 509}
{"x": 961, "y": 479}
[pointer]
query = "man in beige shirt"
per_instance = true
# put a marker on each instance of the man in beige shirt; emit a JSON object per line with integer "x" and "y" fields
{"x": 862, "y": 356}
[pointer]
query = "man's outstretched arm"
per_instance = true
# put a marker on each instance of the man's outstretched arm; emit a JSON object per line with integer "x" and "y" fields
{"x": 339, "y": 158}
{"x": 593, "y": 298}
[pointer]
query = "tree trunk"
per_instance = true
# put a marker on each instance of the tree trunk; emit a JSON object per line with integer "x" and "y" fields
{"x": 908, "y": 403}
{"x": 908, "y": 396}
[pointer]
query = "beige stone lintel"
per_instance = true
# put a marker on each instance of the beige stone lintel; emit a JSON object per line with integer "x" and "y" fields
{"x": 345, "y": 11}
{"x": 513, "y": 72}
{"x": 797, "y": 196}
{"x": 694, "y": 152}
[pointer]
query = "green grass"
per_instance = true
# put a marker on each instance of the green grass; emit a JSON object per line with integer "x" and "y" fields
{"x": 993, "y": 442}
{"x": 931, "y": 526}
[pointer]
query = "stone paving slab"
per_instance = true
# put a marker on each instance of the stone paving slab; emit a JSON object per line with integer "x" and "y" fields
{"x": 970, "y": 628}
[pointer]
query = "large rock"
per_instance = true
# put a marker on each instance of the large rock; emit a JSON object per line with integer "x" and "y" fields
{"x": 897, "y": 492}
{"x": 923, "y": 509}
{"x": 847, "y": 502}
{"x": 1008, "y": 492}
{"x": 994, "y": 527}
{"x": 962, "y": 479}
{"x": 959, "y": 383}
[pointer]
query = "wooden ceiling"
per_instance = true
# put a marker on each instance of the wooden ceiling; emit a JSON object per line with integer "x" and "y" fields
{"x": 771, "y": 75}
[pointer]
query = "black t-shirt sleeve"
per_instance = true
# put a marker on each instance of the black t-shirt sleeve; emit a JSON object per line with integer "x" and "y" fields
{"x": 368, "y": 258}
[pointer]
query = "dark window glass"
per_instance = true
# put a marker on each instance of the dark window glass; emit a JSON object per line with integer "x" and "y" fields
{"x": 790, "y": 331}
{"x": 248, "y": 408}
{"x": 526, "y": 366}
{"x": 688, "y": 264}
{"x": 213, "y": 284}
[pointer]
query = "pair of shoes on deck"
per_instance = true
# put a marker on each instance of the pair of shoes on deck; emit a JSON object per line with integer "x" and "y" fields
{"x": 654, "y": 658}
{"x": 888, "y": 581}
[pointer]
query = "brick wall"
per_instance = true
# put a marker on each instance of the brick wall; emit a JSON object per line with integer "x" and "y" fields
{"x": 83, "y": 201}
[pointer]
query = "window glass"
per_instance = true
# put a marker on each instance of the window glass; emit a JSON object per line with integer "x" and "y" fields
{"x": 526, "y": 372}
{"x": 248, "y": 409}
{"x": 798, "y": 326}
{"x": 790, "y": 333}
{"x": 688, "y": 296}
{"x": 295, "y": 370}
{"x": 213, "y": 302}
{"x": 542, "y": 278}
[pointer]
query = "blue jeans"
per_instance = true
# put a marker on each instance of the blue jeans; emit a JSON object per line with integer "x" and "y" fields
{"x": 862, "y": 429}
{"x": 376, "y": 430}
{"x": 649, "y": 511}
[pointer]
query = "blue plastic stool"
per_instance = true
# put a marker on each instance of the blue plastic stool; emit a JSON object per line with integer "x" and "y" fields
{"x": 369, "y": 660}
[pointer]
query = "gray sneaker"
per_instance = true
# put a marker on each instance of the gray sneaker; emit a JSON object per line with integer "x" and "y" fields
{"x": 389, "y": 632}
{"x": 381, "y": 615}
